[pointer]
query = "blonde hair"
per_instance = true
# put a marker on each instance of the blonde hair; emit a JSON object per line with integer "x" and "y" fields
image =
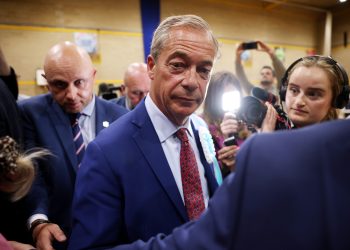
{"x": 17, "y": 169}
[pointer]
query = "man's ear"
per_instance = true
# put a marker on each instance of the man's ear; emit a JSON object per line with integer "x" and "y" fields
{"x": 47, "y": 86}
{"x": 151, "y": 64}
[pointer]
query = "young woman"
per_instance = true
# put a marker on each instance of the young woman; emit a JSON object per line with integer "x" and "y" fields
{"x": 313, "y": 88}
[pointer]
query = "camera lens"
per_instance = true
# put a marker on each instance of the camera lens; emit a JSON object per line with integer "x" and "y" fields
{"x": 252, "y": 111}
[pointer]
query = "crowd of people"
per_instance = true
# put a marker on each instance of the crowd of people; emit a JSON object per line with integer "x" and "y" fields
{"x": 141, "y": 171}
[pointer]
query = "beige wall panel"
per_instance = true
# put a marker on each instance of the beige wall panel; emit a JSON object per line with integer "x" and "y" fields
{"x": 120, "y": 40}
{"x": 341, "y": 24}
{"x": 122, "y": 15}
{"x": 29, "y": 28}
{"x": 235, "y": 21}
{"x": 117, "y": 52}
{"x": 294, "y": 30}
{"x": 342, "y": 55}
{"x": 25, "y": 50}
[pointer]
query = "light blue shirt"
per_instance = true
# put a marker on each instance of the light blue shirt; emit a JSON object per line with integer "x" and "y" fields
{"x": 171, "y": 145}
{"x": 87, "y": 122}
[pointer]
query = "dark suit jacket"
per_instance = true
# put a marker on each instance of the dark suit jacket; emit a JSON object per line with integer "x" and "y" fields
{"x": 47, "y": 125}
{"x": 12, "y": 214}
{"x": 9, "y": 115}
{"x": 125, "y": 189}
{"x": 291, "y": 191}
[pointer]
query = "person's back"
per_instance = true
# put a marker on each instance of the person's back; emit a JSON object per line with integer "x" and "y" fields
{"x": 12, "y": 213}
{"x": 297, "y": 199}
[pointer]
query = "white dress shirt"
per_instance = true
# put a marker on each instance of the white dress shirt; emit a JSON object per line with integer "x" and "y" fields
{"x": 171, "y": 145}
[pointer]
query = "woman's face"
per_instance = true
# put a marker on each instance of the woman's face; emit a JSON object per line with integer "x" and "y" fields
{"x": 309, "y": 96}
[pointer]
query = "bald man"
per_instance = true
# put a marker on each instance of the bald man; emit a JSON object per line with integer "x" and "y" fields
{"x": 137, "y": 85}
{"x": 47, "y": 123}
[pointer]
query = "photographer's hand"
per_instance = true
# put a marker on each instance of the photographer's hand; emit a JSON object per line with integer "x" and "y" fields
{"x": 269, "y": 122}
{"x": 229, "y": 124}
{"x": 239, "y": 51}
{"x": 265, "y": 48}
{"x": 227, "y": 156}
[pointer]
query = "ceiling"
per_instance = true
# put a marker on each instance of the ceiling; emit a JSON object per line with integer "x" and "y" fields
{"x": 311, "y": 4}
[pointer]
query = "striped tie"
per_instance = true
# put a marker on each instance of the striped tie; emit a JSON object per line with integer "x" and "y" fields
{"x": 77, "y": 138}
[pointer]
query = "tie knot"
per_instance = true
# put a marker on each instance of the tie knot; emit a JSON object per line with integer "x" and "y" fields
{"x": 181, "y": 134}
{"x": 74, "y": 117}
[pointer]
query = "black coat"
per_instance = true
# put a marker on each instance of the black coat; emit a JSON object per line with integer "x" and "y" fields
{"x": 12, "y": 215}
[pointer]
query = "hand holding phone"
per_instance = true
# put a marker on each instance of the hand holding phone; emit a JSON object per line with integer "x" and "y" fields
{"x": 250, "y": 45}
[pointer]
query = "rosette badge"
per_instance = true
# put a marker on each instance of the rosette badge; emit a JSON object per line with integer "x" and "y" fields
{"x": 209, "y": 151}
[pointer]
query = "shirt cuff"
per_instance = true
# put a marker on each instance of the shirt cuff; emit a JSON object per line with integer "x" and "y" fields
{"x": 35, "y": 217}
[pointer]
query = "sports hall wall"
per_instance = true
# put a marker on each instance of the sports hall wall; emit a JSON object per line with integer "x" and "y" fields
{"x": 28, "y": 28}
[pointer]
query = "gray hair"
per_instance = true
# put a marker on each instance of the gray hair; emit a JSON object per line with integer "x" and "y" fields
{"x": 161, "y": 34}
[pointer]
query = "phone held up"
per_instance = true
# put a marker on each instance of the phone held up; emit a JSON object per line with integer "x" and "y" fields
{"x": 230, "y": 141}
{"x": 249, "y": 45}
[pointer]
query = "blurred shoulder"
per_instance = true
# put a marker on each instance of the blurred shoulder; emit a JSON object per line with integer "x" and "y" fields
{"x": 38, "y": 101}
{"x": 303, "y": 139}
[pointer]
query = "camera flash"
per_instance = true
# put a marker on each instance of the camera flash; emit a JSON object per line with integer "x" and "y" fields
{"x": 231, "y": 101}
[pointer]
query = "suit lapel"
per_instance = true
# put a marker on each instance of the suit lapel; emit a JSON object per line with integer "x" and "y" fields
{"x": 208, "y": 168}
{"x": 100, "y": 116}
{"x": 147, "y": 140}
{"x": 62, "y": 127}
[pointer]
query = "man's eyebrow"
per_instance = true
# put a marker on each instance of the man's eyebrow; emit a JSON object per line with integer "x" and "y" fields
{"x": 179, "y": 54}
{"x": 186, "y": 56}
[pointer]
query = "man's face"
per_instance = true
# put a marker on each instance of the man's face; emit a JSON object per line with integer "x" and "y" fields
{"x": 137, "y": 87}
{"x": 181, "y": 73}
{"x": 71, "y": 84}
{"x": 267, "y": 77}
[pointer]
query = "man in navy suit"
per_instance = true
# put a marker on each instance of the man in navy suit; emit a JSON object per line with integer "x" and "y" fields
{"x": 46, "y": 122}
{"x": 136, "y": 86}
{"x": 130, "y": 186}
{"x": 290, "y": 191}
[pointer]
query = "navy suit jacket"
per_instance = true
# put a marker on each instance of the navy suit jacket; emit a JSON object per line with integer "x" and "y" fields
{"x": 46, "y": 125}
{"x": 291, "y": 191}
{"x": 125, "y": 189}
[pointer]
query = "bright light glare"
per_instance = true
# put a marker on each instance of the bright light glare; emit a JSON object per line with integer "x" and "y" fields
{"x": 231, "y": 101}
{"x": 342, "y": 1}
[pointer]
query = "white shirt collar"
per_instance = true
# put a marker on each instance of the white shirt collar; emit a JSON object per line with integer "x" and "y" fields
{"x": 89, "y": 109}
{"x": 163, "y": 126}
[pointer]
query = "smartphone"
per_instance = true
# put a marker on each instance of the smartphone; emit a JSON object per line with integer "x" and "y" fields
{"x": 250, "y": 45}
{"x": 230, "y": 141}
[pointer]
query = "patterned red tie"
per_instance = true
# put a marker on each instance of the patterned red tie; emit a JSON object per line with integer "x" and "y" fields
{"x": 191, "y": 183}
{"x": 77, "y": 137}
